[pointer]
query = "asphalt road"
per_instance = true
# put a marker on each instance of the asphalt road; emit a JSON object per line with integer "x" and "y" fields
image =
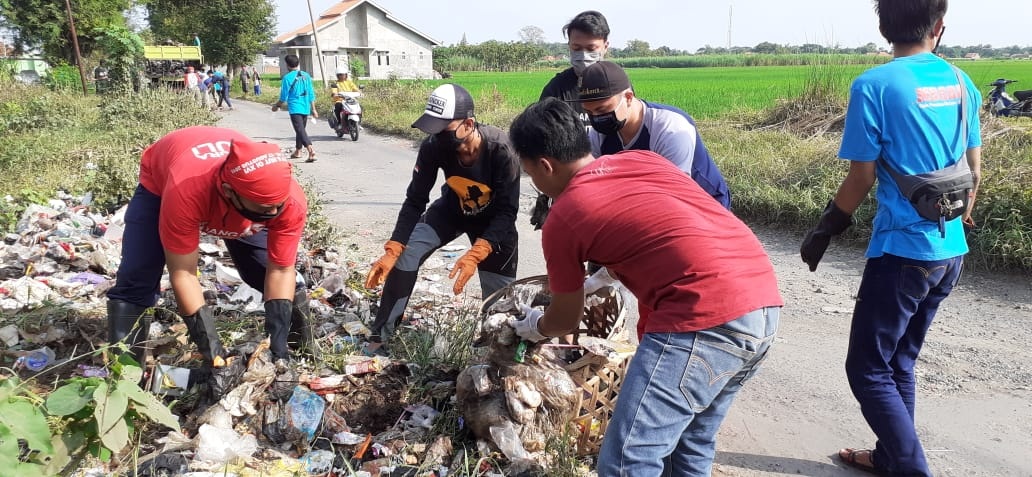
{"x": 974, "y": 410}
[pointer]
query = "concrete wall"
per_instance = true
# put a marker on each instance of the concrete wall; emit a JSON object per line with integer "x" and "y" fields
{"x": 397, "y": 51}
{"x": 387, "y": 47}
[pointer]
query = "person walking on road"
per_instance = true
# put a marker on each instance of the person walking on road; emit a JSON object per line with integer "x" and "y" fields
{"x": 914, "y": 115}
{"x": 298, "y": 95}
{"x": 480, "y": 199}
{"x": 218, "y": 182}
{"x": 705, "y": 276}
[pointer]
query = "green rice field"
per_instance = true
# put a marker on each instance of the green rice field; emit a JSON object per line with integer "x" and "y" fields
{"x": 708, "y": 93}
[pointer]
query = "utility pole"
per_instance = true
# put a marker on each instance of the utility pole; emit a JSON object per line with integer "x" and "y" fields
{"x": 730, "y": 8}
{"x": 75, "y": 43}
{"x": 318, "y": 51}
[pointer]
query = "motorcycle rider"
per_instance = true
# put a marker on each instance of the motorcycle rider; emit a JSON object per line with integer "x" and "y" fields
{"x": 342, "y": 85}
{"x": 216, "y": 181}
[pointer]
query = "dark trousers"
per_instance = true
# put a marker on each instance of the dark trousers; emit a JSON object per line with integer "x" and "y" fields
{"x": 299, "y": 121}
{"x": 896, "y": 303}
{"x": 435, "y": 229}
{"x": 143, "y": 256}
{"x": 224, "y": 96}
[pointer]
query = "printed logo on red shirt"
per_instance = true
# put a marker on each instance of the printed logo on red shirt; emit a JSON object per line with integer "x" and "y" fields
{"x": 229, "y": 234}
{"x": 211, "y": 150}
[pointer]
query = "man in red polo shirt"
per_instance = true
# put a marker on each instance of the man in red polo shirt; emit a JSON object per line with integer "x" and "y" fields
{"x": 705, "y": 276}
{"x": 218, "y": 182}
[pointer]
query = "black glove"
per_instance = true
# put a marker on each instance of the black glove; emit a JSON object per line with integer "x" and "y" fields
{"x": 277, "y": 325}
{"x": 833, "y": 222}
{"x": 540, "y": 212}
{"x": 201, "y": 327}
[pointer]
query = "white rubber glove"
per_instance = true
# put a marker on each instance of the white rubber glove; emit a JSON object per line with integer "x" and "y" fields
{"x": 600, "y": 279}
{"x": 527, "y": 328}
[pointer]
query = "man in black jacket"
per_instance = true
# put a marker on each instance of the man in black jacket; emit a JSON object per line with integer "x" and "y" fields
{"x": 587, "y": 35}
{"x": 480, "y": 198}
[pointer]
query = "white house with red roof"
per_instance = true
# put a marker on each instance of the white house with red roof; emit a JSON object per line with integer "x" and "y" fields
{"x": 359, "y": 29}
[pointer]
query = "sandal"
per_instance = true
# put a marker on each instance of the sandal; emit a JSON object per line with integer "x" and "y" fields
{"x": 861, "y": 459}
{"x": 296, "y": 154}
{"x": 311, "y": 158}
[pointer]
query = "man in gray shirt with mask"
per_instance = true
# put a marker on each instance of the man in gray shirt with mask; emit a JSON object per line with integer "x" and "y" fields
{"x": 588, "y": 37}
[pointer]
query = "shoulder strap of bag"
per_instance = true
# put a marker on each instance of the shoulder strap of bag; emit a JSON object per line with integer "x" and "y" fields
{"x": 292, "y": 83}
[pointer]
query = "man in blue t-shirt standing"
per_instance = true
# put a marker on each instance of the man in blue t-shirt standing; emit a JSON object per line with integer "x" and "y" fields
{"x": 298, "y": 95}
{"x": 916, "y": 114}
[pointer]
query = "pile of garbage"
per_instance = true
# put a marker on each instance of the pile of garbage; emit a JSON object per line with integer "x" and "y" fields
{"x": 521, "y": 397}
{"x": 60, "y": 253}
{"x": 346, "y": 414}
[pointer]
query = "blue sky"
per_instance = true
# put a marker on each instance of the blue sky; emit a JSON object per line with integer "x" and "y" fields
{"x": 689, "y": 24}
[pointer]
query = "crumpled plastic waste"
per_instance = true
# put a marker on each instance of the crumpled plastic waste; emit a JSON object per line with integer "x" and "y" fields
{"x": 305, "y": 410}
{"x": 422, "y": 416}
{"x": 223, "y": 446}
{"x": 318, "y": 462}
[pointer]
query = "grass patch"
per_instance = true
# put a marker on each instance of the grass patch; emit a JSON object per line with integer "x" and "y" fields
{"x": 55, "y": 140}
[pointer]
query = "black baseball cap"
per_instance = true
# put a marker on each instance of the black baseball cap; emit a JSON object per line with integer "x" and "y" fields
{"x": 602, "y": 80}
{"x": 446, "y": 103}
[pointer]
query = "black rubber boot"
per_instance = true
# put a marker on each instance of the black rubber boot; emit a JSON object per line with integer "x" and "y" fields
{"x": 201, "y": 327}
{"x": 129, "y": 322}
{"x": 301, "y": 337}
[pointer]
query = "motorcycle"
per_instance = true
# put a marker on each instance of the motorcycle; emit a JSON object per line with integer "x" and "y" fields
{"x": 350, "y": 115}
{"x": 999, "y": 103}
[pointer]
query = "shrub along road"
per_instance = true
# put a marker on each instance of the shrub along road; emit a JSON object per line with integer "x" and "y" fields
{"x": 975, "y": 379}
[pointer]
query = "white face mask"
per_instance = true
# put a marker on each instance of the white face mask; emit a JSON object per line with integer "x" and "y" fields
{"x": 583, "y": 59}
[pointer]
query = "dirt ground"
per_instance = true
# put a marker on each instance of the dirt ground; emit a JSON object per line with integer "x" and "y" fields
{"x": 974, "y": 410}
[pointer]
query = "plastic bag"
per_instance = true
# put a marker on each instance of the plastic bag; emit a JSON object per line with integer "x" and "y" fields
{"x": 318, "y": 462}
{"x": 222, "y": 446}
{"x": 507, "y": 438}
{"x": 305, "y": 410}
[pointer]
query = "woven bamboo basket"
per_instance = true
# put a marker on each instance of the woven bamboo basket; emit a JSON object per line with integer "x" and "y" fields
{"x": 598, "y": 377}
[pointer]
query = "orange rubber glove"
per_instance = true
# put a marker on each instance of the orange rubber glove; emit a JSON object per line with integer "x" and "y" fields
{"x": 391, "y": 251}
{"x": 467, "y": 265}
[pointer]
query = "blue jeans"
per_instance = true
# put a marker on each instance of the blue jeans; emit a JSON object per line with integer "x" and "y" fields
{"x": 896, "y": 303}
{"x": 678, "y": 388}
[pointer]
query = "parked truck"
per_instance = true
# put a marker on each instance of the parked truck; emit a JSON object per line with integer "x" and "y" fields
{"x": 166, "y": 65}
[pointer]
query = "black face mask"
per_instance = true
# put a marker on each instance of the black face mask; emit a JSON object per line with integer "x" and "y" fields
{"x": 607, "y": 123}
{"x": 449, "y": 140}
{"x": 255, "y": 216}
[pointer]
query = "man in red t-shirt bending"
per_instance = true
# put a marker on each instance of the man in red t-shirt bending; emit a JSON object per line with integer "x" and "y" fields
{"x": 218, "y": 182}
{"x": 703, "y": 274}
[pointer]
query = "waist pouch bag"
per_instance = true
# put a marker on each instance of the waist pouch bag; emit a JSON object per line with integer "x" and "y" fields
{"x": 939, "y": 196}
{"x": 942, "y": 195}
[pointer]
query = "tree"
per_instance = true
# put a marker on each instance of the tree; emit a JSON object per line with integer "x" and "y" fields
{"x": 43, "y": 24}
{"x": 766, "y": 47}
{"x": 532, "y": 34}
{"x": 124, "y": 50}
{"x": 232, "y": 32}
{"x": 869, "y": 48}
{"x": 637, "y": 47}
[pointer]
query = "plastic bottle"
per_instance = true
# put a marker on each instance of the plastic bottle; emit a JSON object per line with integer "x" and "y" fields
{"x": 38, "y": 359}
